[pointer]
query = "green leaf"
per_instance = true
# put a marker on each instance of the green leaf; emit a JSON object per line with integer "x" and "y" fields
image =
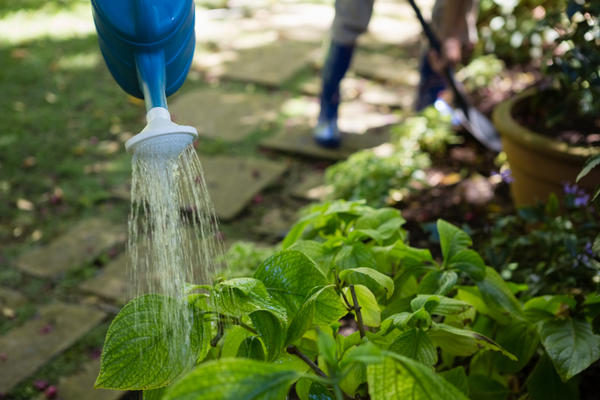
{"x": 590, "y": 164}
{"x": 377, "y": 282}
{"x": 439, "y": 305}
{"x": 570, "y": 344}
{"x": 369, "y": 308}
{"x": 252, "y": 348}
{"x": 290, "y": 277}
{"x": 437, "y": 282}
{"x": 463, "y": 342}
{"x": 457, "y": 377}
{"x": 305, "y": 317}
{"x": 452, "y": 240}
{"x": 240, "y": 296}
{"x": 234, "y": 379}
{"x": 150, "y": 328}
{"x": 400, "y": 378}
{"x": 469, "y": 262}
{"x": 498, "y": 297}
{"x": 415, "y": 344}
{"x": 482, "y": 387}
{"x": 519, "y": 338}
{"x": 327, "y": 350}
{"x": 271, "y": 330}
{"x": 154, "y": 394}
{"x": 355, "y": 255}
{"x": 545, "y": 384}
{"x": 234, "y": 336}
{"x": 319, "y": 391}
{"x": 319, "y": 253}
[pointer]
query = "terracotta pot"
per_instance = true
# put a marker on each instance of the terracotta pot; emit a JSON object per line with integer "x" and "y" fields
{"x": 539, "y": 165}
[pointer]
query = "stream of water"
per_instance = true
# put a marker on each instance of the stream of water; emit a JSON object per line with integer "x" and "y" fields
{"x": 173, "y": 233}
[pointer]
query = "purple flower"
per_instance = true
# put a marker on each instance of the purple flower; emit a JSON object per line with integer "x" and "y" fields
{"x": 507, "y": 176}
{"x": 570, "y": 188}
{"x": 588, "y": 248}
{"x": 581, "y": 200}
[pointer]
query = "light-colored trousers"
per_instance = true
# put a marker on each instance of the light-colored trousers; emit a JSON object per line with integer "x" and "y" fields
{"x": 449, "y": 18}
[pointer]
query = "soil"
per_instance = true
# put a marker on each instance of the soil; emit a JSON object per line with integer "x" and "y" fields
{"x": 536, "y": 111}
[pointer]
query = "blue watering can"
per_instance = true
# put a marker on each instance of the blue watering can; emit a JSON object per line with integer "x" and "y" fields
{"x": 148, "y": 46}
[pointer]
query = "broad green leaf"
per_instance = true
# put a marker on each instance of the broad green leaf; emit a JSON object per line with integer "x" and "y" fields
{"x": 498, "y": 297}
{"x": 377, "y": 282}
{"x": 150, "y": 328}
{"x": 415, "y": 343}
{"x": 327, "y": 350}
{"x": 452, "y": 240}
{"x": 570, "y": 344}
{"x": 463, "y": 342}
{"x": 154, "y": 394}
{"x": 469, "y": 262}
{"x": 317, "y": 252}
{"x": 290, "y": 277}
{"x": 369, "y": 308}
{"x": 240, "y": 296}
{"x": 271, "y": 330}
{"x": 437, "y": 282}
{"x": 302, "y": 388}
{"x": 400, "y": 378}
{"x": 355, "y": 255}
{"x": 354, "y": 376}
{"x": 519, "y": 338}
{"x": 252, "y": 348}
{"x": 305, "y": 317}
{"x": 482, "y": 387}
{"x": 366, "y": 353}
{"x": 545, "y": 307}
{"x": 457, "y": 377}
{"x": 439, "y": 305}
{"x": 545, "y": 384}
{"x": 234, "y": 379}
{"x": 233, "y": 338}
{"x": 318, "y": 391}
{"x": 402, "y": 255}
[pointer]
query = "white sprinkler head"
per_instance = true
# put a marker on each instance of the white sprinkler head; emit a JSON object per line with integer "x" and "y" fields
{"x": 161, "y": 137}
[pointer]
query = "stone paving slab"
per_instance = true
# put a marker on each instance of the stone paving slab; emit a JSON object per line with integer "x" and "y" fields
{"x": 383, "y": 67}
{"x": 311, "y": 187}
{"x": 271, "y": 64}
{"x": 298, "y": 140}
{"x": 28, "y": 347}
{"x": 10, "y": 298}
{"x": 80, "y": 386}
{"x": 230, "y": 116}
{"x": 111, "y": 283}
{"x": 233, "y": 182}
{"x": 276, "y": 222}
{"x": 81, "y": 244}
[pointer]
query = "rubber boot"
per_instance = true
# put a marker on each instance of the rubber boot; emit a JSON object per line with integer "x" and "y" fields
{"x": 338, "y": 61}
{"x": 431, "y": 85}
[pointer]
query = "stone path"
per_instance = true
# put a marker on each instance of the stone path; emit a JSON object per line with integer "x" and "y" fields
{"x": 28, "y": 347}
{"x": 252, "y": 95}
{"x": 81, "y": 244}
{"x": 76, "y": 386}
{"x": 229, "y": 116}
{"x": 111, "y": 281}
{"x": 233, "y": 182}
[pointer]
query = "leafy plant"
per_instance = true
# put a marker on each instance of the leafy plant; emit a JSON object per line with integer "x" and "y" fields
{"x": 349, "y": 310}
{"x": 371, "y": 174}
{"x": 573, "y": 70}
{"x": 549, "y": 248}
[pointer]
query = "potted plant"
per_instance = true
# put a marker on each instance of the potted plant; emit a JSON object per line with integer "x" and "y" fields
{"x": 549, "y": 131}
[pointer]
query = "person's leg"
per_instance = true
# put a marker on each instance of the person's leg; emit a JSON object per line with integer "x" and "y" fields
{"x": 351, "y": 19}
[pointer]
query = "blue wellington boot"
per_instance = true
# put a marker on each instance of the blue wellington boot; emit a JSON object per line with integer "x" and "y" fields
{"x": 431, "y": 84}
{"x": 338, "y": 61}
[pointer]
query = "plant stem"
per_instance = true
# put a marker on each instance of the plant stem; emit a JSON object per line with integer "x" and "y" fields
{"x": 359, "y": 319}
{"x": 295, "y": 351}
{"x": 220, "y": 331}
